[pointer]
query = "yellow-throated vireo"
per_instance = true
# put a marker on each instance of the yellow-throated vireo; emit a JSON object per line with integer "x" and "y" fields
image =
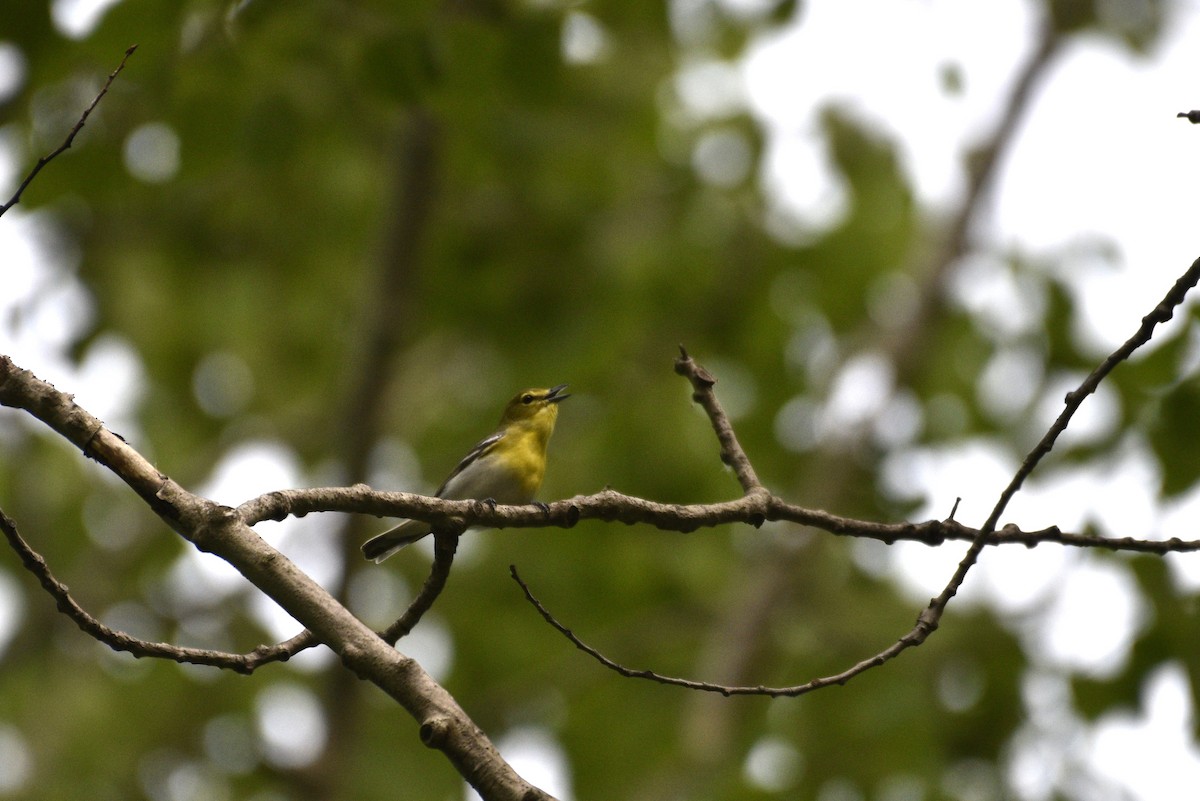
{"x": 506, "y": 467}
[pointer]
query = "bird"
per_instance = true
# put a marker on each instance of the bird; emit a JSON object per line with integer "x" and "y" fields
{"x": 505, "y": 467}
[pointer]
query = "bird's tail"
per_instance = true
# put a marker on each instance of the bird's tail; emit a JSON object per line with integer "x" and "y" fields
{"x": 382, "y": 546}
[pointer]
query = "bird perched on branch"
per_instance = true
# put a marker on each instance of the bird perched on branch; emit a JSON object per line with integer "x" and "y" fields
{"x": 506, "y": 467}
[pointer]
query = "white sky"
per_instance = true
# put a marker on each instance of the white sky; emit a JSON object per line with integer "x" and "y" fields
{"x": 1100, "y": 155}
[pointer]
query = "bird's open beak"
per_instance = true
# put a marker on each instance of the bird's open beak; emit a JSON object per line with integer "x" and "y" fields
{"x": 553, "y": 394}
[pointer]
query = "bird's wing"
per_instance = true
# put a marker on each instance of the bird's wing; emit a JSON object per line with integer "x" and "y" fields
{"x": 481, "y": 447}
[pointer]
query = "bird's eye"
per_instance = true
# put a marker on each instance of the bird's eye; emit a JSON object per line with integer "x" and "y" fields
{"x": 526, "y": 399}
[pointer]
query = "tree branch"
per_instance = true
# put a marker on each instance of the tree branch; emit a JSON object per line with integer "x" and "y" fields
{"x": 612, "y": 506}
{"x": 702, "y": 382}
{"x": 117, "y": 640}
{"x": 193, "y": 517}
{"x": 1161, "y": 313}
{"x": 930, "y": 617}
{"x": 690, "y": 684}
{"x": 220, "y": 530}
{"x": 445, "y": 545}
{"x": 44, "y": 160}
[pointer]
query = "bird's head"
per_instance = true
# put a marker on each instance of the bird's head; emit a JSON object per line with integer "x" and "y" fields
{"x": 535, "y": 406}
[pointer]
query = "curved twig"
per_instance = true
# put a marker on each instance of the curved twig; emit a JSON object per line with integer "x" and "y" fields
{"x": 690, "y": 684}
{"x": 445, "y": 544}
{"x": 114, "y": 639}
{"x": 1161, "y": 314}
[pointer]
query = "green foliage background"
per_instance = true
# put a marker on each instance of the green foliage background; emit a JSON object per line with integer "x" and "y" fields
{"x": 388, "y": 218}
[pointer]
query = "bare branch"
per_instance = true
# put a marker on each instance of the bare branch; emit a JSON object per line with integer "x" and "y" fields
{"x": 116, "y": 640}
{"x": 21, "y": 389}
{"x": 220, "y": 530}
{"x": 445, "y": 543}
{"x": 246, "y": 663}
{"x": 703, "y": 686}
{"x": 612, "y": 506}
{"x": 1010, "y": 534}
{"x": 928, "y": 620}
{"x": 44, "y": 160}
{"x": 280, "y": 652}
{"x": 1161, "y": 313}
{"x": 731, "y": 450}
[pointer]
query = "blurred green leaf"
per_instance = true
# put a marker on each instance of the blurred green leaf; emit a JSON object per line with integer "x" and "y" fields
{"x": 1175, "y": 424}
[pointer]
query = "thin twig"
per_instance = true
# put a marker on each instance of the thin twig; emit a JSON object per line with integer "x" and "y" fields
{"x": 690, "y": 684}
{"x": 928, "y": 620}
{"x": 44, "y": 160}
{"x": 1161, "y": 313}
{"x": 245, "y": 663}
{"x": 702, "y": 382}
{"x": 116, "y": 640}
{"x": 445, "y": 543}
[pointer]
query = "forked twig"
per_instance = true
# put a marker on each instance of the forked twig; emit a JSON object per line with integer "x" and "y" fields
{"x": 246, "y": 663}
{"x": 445, "y": 545}
{"x": 929, "y": 618}
{"x": 1161, "y": 313}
